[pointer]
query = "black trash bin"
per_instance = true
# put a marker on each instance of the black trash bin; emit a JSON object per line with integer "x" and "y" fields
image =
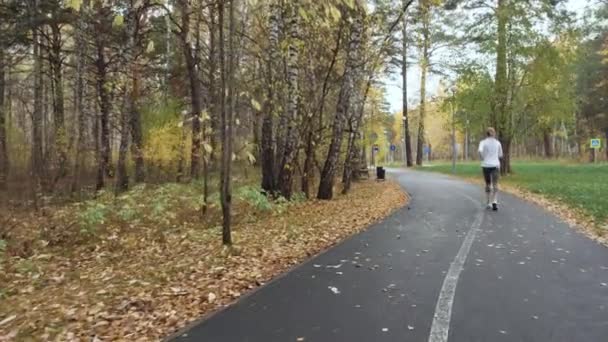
{"x": 380, "y": 173}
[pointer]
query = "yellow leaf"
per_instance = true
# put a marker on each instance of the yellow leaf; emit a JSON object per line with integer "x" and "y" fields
{"x": 335, "y": 13}
{"x": 207, "y": 147}
{"x": 118, "y": 21}
{"x": 250, "y": 157}
{"x": 150, "y": 47}
{"x": 256, "y": 105}
{"x": 75, "y": 4}
{"x": 303, "y": 14}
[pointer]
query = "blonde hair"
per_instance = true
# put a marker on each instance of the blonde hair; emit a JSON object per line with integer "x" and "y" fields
{"x": 490, "y": 132}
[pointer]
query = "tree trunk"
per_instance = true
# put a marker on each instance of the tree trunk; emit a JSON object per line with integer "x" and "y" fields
{"x": 291, "y": 141}
{"x": 122, "y": 177}
{"x": 422, "y": 109}
{"x": 308, "y": 162}
{"x": 315, "y": 133}
{"x": 505, "y": 166}
{"x": 80, "y": 92}
{"x": 131, "y": 117}
{"x": 227, "y": 84}
{"x": 137, "y": 148}
{"x": 60, "y": 133}
{"x": 547, "y": 144}
{"x": 181, "y": 147}
{"x": 4, "y": 161}
{"x": 351, "y": 163}
{"x": 424, "y": 65}
{"x": 501, "y": 120}
{"x": 270, "y": 106}
{"x": 105, "y": 151}
{"x": 344, "y": 99}
{"x": 38, "y": 114}
{"x": 195, "y": 89}
{"x": 214, "y": 115}
{"x": 406, "y": 130}
{"x": 135, "y": 124}
{"x": 138, "y": 144}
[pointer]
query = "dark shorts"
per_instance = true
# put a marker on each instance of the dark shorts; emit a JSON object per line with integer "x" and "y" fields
{"x": 490, "y": 175}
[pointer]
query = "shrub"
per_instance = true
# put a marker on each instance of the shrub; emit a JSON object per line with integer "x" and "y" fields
{"x": 93, "y": 215}
{"x": 255, "y": 197}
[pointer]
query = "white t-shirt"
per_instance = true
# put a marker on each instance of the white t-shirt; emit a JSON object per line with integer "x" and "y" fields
{"x": 490, "y": 151}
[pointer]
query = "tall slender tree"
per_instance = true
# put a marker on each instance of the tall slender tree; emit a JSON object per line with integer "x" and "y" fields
{"x": 291, "y": 141}
{"x": 425, "y": 40}
{"x": 344, "y": 103}
{"x": 406, "y": 121}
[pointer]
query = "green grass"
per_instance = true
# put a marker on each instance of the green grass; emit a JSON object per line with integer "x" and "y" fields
{"x": 580, "y": 186}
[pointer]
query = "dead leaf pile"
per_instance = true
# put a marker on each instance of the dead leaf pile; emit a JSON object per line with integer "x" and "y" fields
{"x": 141, "y": 283}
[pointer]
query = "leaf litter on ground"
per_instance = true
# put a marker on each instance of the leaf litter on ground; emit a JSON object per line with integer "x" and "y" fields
{"x": 144, "y": 279}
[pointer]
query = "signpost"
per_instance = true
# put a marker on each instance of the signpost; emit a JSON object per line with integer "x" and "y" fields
{"x": 375, "y": 150}
{"x": 595, "y": 145}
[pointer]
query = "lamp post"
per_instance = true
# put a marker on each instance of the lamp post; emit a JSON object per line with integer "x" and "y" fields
{"x": 454, "y": 152}
{"x": 466, "y": 140}
{"x": 404, "y": 140}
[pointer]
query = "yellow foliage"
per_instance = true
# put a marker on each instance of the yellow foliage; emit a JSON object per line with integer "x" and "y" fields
{"x": 164, "y": 144}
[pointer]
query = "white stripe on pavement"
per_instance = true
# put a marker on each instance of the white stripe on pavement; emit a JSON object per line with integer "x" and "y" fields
{"x": 443, "y": 311}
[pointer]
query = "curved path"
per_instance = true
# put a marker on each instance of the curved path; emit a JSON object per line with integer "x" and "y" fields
{"x": 443, "y": 269}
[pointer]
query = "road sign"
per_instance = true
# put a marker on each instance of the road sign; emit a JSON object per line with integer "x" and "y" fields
{"x": 393, "y": 148}
{"x": 596, "y": 143}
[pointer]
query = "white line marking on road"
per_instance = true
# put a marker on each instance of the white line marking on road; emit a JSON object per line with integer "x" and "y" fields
{"x": 440, "y": 327}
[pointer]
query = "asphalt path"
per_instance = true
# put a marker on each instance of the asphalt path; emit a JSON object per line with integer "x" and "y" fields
{"x": 441, "y": 269}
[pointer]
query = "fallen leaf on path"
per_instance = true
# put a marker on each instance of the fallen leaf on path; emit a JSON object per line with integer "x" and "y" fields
{"x": 7, "y": 320}
{"x": 211, "y": 297}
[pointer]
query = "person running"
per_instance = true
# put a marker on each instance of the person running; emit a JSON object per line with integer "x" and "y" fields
{"x": 490, "y": 152}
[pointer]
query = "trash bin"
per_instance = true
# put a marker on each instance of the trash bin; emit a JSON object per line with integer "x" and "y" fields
{"x": 380, "y": 173}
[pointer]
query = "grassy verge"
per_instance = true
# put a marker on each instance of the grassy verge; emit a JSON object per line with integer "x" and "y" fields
{"x": 143, "y": 265}
{"x": 580, "y": 187}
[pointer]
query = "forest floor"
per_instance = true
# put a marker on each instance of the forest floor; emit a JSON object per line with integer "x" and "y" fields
{"x": 576, "y": 192}
{"x": 140, "y": 266}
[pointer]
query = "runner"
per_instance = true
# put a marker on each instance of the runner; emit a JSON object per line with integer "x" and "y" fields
{"x": 490, "y": 152}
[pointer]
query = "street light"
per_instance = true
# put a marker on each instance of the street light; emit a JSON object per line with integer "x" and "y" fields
{"x": 404, "y": 139}
{"x": 454, "y": 153}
